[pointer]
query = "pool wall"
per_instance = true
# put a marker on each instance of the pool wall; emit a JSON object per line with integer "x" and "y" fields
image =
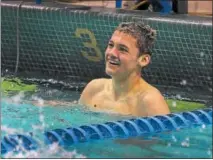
{"x": 61, "y": 41}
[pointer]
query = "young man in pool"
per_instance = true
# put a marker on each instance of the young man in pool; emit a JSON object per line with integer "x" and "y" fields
{"x": 127, "y": 93}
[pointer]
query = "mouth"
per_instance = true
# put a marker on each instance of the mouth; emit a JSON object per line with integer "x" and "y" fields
{"x": 114, "y": 62}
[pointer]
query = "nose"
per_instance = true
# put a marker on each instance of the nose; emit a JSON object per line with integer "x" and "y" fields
{"x": 112, "y": 52}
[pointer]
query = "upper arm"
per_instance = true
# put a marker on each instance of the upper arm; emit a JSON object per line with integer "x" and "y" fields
{"x": 89, "y": 91}
{"x": 154, "y": 104}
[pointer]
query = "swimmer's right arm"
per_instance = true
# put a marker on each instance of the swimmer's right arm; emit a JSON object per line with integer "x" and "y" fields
{"x": 90, "y": 90}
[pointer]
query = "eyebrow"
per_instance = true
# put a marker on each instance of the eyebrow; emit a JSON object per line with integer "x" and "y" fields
{"x": 120, "y": 45}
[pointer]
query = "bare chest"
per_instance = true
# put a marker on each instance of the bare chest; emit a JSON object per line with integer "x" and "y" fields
{"x": 103, "y": 101}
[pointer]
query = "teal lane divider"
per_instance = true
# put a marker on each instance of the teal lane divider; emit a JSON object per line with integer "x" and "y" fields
{"x": 111, "y": 130}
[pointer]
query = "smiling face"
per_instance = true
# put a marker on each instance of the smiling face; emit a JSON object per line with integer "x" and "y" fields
{"x": 122, "y": 55}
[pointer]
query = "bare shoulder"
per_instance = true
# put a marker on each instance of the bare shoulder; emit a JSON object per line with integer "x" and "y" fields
{"x": 91, "y": 89}
{"x": 152, "y": 92}
{"x": 154, "y": 103}
{"x": 97, "y": 84}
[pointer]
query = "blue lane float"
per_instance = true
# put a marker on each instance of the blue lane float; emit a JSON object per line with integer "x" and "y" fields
{"x": 17, "y": 143}
{"x": 111, "y": 130}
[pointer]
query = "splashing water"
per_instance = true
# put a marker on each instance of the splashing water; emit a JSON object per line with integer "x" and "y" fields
{"x": 185, "y": 143}
{"x": 174, "y": 104}
{"x": 9, "y": 130}
{"x": 17, "y": 98}
{"x": 44, "y": 151}
{"x": 51, "y": 151}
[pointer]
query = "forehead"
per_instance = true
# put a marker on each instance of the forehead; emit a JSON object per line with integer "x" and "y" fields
{"x": 123, "y": 38}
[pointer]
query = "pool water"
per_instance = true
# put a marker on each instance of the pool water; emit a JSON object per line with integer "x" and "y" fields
{"x": 30, "y": 117}
{"x": 21, "y": 115}
{"x": 192, "y": 143}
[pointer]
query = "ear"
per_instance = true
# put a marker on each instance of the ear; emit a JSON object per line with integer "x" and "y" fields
{"x": 144, "y": 60}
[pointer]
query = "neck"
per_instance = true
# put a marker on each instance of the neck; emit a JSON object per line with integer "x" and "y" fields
{"x": 123, "y": 86}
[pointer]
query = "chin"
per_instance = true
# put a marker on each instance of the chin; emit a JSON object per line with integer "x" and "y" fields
{"x": 109, "y": 72}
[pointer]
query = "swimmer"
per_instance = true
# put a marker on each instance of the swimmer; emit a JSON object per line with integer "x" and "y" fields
{"x": 126, "y": 92}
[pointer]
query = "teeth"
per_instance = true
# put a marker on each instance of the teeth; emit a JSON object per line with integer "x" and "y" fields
{"x": 114, "y": 62}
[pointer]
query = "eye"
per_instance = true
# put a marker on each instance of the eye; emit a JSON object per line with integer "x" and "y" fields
{"x": 123, "y": 49}
{"x": 110, "y": 45}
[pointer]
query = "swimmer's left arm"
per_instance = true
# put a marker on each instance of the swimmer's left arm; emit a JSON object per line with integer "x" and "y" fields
{"x": 153, "y": 103}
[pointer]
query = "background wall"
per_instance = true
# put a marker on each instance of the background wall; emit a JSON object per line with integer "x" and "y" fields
{"x": 200, "y": 7}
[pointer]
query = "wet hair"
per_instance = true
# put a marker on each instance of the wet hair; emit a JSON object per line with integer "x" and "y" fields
{"x": 144, "y": 35}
